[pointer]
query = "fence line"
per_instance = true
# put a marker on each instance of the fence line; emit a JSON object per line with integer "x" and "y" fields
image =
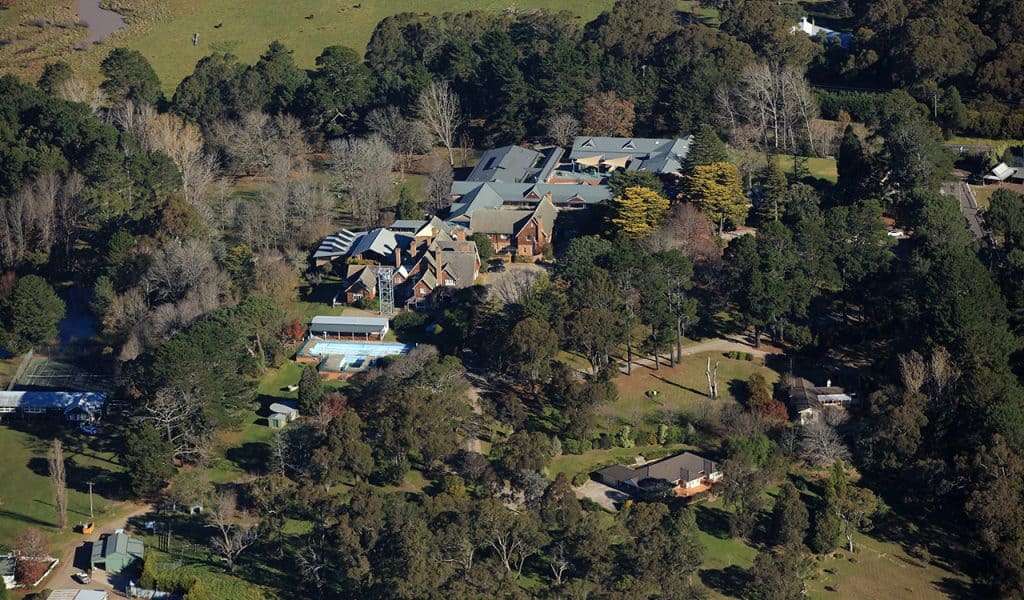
{"x": 21, "y": 369}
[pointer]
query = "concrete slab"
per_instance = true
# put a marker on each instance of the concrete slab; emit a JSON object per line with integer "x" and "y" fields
{"x": 608, "y": 497}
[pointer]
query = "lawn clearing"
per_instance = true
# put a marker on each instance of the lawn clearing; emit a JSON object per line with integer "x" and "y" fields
{"x": 681, "y": 388}
{"x": 26, "y": 498}
{"x": 998, "y": 145}
{"x": 572, "y": 464}
{"x": 822, "y": 168}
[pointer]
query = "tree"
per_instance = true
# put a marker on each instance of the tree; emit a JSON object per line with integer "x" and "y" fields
{"x": 854, "y": 166}
{"x": 563, "y": 129}
{"x": 605, "y": 114}
{"x": 439, "y": 186}
{"x": 363, "y": 167}
{"x": 774, "y": 193}
{"x": 231, "y": 539}
{"x": 484, "y": 247}
{"x": 407, "y": 207}
{"x": 718, "y": 191}
{"x": 129, "y": 76}
{"x": 341, "y": 85}
{"x": 311, "y": 389}
{"x": 789, "y": 518}
{"x": 636, "y": 212}
{"x": 54, "y": 76}
{"x": 514, "y": 537}
{"x": 532, "y": 345}
{"x": 58, "y": 481}
{"x": 272, "y": 83}
{"x": 31, "y": 313}
{"x": 620, "y": 180}
{"x": 821, "y": 444}
{"x": 780, "y": 575}
{"x": 440, "y": 109}
{"x": 744, "y": 483}
{"x": 147, "y": 459}
{"x": 705, "y": 149}
{"x": 954, "y": 114}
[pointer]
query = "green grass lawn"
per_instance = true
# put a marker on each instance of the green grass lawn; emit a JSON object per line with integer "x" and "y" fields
{"x": 572, "y": 464}
{"x": 680, "y": 388}
{"x": 999, "y": 145}
{"x": 822, "y": 168}
{"x": 26, "y": 498}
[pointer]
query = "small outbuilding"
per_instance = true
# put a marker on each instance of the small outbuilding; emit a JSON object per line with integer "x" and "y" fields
{"x": 116, "y": 551}
{"x": 7, "y": 564}
{"x": 277, "y": 420}
{"x": 71, "y": 594}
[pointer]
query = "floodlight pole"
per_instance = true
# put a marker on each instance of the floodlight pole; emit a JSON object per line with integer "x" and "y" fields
{"x": 90, "y": 500}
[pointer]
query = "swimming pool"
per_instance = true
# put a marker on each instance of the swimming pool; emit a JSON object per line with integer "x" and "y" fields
{"x": 358, "y": 353}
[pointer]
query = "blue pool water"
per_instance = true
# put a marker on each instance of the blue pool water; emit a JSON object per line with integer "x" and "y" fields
{"x": 358, "y": 353}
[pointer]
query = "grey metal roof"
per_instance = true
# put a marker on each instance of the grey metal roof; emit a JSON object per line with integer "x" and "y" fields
{"x": 7, "y": 563}
{"x": 681, "y": 467}
{"x": 509, "y": 222}
{"x": 337, "y": 244}
{"x": 661, "y": 156}
{"x": 407, "y": 225}
{"x": 618, "y": 473}
{"x": 493, "y": 195}
{"x": 321, "y": 321}
{"x": 66, "y": 401}
{"x": 380, "y": 241}
{"x": 122, "y": 543}
{"x": 508, "y": 163}
{"x": 475, "y": 197}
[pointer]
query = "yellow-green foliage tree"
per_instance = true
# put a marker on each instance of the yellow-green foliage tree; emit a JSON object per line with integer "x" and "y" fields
{"x": 636, "y": 211}
{"x": 717, "y": 190}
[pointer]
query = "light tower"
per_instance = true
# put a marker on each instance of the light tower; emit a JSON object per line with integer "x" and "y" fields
{"x": 386, "y": 289}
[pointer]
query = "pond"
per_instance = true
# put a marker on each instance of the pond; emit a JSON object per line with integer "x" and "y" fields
{"x": 102, "y": 22}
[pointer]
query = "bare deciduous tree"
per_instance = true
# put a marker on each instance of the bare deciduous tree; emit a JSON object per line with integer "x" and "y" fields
{"x": 74, "y": 89}
{"x": 231, "y": 538}
{"x": 563, "y": 128}
{"x": 821, "y": 444}
{"x": 363, "y": 168}
{"x": 250, "y": 143}
{"x": 407, "y": 137}
{"x": 439, "y": 186}
{"x": 177, "y": 413}
{"x": 440, "y": 109}
{"x": 606, "y": 114}
{"x": 776, "y": 101}
{"x": 913, "y": 371}
{"x": 58, "y": 481}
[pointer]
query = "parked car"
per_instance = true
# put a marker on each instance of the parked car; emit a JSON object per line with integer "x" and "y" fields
{"x": 497, "y": 268}
{"x": 82, "y": 577}
{"x": 88, "y": 429}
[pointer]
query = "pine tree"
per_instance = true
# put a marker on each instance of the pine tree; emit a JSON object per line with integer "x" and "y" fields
{"x": 407, "y": 207}
{"x": 774, "y": 194}
{"x": 637, "y": 211}
{"x": 705, "y": 149}
{"x": 311, "y": 389}
{"x": 789, "y": 518}
{"x": 853, "y": 165}
{"x": 717, "y": 190}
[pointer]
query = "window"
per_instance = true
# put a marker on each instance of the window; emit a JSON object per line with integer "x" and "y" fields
{"x": 449, "y": 282}
{"x": 357, "y": 297}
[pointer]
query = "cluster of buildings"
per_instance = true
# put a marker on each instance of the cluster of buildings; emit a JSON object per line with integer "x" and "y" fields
{"x": 513, "y": 196}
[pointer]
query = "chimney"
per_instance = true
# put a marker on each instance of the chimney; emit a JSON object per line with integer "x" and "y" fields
{"x": 398, "y": 256}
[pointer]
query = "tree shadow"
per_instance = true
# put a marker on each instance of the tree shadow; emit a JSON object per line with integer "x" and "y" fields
{"x": 959, "y": 590}
{"x": 250, "y": 456}
{"x": 730, "y": 581}
{"x": 713, "y": 521}
{"x": 739, "y": 390}
{"x": 679, "y": 385}
{"x": 6, "y": 514}
{"x": 106, "y": 484}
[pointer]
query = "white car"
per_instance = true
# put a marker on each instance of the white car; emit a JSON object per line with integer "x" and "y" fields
{"x": 89, "y": 429}
{"x": 82, "y": 577}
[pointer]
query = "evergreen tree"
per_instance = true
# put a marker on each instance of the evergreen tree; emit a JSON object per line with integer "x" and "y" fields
{"x": 854, "y": 167}
{"x": 146, "y": 458}
{"x": 620, "y": 180}
{"x": 484, "y": 246}
{"x": 774, "y": 193}
{"x": 705, "y": 149}
{"x": 953, "y": 114}
{"x": 789, "y": 518}
{"x": 311, "y": 389}
{"x": 31, "y": 313}
{"x": 501, "y": 86}
{"x": 54, "y": 76}
{"x": 636, "y": 212}
{"x": 129, "y": 76}
{"x": 407, "y": 207}
{"x": 717, "y": 190}
{"x": 779, "y": 575}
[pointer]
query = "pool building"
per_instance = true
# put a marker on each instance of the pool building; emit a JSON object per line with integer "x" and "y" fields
{"x": 341, "y": 346}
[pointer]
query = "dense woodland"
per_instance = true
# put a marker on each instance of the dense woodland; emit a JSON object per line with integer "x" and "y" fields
{"x": 130, "y": 193}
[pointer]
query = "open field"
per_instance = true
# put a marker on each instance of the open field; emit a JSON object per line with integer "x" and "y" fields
{"x": 26, "y": 498}
{"x": 680, "y": 388}
{"x": 822, "y": 168}
{"x": 999, "y": 145}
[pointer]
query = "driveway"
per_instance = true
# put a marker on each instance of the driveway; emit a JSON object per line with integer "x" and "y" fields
{"x": 604, "y": 495}
{"x": 76, "y": 554}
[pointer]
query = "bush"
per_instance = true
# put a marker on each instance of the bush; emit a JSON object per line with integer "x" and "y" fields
{"x": 580, "y": 478}
{"x": 28, "y": 572}
{"x": 150, "y": 574}
{"x": 571, "y": 446}
{"x": 748, "y": 356}
{"x": 409, "y": 322}
{"x": 586, "y": 446}
{"x": 368, "y": 303}
{"x": 520, "y": 258}
{"x": 548, "y": 253}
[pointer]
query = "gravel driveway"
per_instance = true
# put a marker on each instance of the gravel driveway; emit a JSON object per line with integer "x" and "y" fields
{"x": 604, "y": 495}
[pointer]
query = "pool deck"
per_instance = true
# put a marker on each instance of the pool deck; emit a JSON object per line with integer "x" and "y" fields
{"x": 351, "y": 359}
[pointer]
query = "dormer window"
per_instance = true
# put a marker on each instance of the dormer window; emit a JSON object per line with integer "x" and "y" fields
{"x": 587, "y": 144}
{"x": 629, "y": 145}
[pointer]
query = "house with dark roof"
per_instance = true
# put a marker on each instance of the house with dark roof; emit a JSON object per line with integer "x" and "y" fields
{"x": 72, "y": 406}
{"x": 607, "y": 154}
{"x": 443, "y": 266}
{"x": 515, "y": 164}
{"x": 807, "y": 401}
{"x": 520, "y": 232}
{"x": 685, "y": 474}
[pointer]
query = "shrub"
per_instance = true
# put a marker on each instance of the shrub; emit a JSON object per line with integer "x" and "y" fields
{"x": 409, "y": 321}
{"x": 149, "y": 575}
{"x": 580, "y": 478}
{"x": 571, "y": 446}
{"x": 28, "y": 572}
{"x": 369, "y": 303}
{"x": 748, "y": 356}
{"x": 520, "y": 258}
{"x": 586, "y": 446}
{"x": 548, "y": 253}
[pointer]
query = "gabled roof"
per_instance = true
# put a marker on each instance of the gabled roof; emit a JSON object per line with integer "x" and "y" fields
{"x": 499, "y": 221}
{"x": 91, "y": 402}
{"x": 805, "y": 395}
{"x": 361, "y": 275}
{"x": 496, "y": 194}
{"x": 122, "y": 543}
{"x": 322, "y": 321}
{"x": 380, "y": 241}
{"x": 478, "y": 196}
{"x": 407, "y": 225}
{"x": 661, "y": 156}
{"x": 337, "y": 244}
{"x": 681, "y": 467}
{"x": 507, "y": 163}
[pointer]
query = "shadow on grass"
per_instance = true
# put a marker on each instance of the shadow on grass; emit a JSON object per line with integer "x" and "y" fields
{"x": 713, "y": 521}
{"x": 6, "y": 514}
{"x": 680, "y": 386}
{"x": 730, "y": 581}
{"x": 108, "y": 484}
{"x": 250, "y": 456}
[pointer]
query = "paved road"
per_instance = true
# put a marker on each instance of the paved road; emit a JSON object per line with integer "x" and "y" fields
{"x": 968, "y": 205}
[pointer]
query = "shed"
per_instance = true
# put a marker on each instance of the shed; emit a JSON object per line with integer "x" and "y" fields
{"x": 71, "y": 594}
{"x": 277, "y": 420}
{"x": 284, "y": 408}
{"x": 349, "y": 327}
{"x": 7, "y": 564}
{"x": 116, "y": 551}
